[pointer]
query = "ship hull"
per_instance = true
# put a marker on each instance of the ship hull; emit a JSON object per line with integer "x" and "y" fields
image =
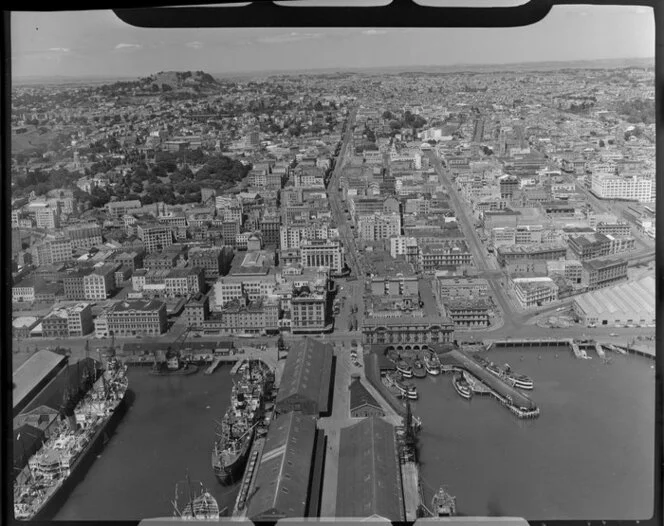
{"x": 81, "y": 465}
{"x": 232, "y": 473}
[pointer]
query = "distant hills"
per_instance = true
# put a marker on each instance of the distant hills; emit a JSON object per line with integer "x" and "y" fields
{"x": 177, "y": 80}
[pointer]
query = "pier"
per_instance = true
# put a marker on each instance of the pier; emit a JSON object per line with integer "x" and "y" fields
{"x": 410, "y": 476}
{"x": 249, "y": 478}
{"x": 486, "y": 383}
{"x": 213, "y": 366}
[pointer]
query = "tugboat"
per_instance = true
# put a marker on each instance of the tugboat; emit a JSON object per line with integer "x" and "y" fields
{"x": 202, "y": 506}
{"x": 462, "y": 387}
{"x": 432, "y": 363}
{"x": 405, "y": 369}
{"x": 443, "y": 504}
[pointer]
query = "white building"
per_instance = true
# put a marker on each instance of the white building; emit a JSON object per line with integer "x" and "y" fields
{"x": 612, "y": 186}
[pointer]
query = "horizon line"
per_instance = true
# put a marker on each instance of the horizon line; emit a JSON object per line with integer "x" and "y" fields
{"x": 342, "y": 69}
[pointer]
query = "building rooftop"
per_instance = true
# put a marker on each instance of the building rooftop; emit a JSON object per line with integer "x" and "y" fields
{"x": 369, "y": 480}
{"x": 33, "y": 371}
{"x": 284, "y": 470}
{"x": 136, "y": 305}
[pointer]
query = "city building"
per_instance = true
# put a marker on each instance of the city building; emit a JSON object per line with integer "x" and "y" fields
{"x": 625, "y": 187}
{"x": 467, "y": 313}
{"x": 51, "y": 251}
{"x": 155, "y": 237}
{"x": 534, "y": 292}
{"x": 215, "y": 261}
{"x": 99, "y": 284}
{"x": 84, "y": 236}
{"x": 240, "y": 316}
{"x": 546, "y": 252}
{"x": 309, "y": 308}
{"x": 449, "y": 253}
{"x": 322, "y": 253}
{"x": 137, "y": 317}
{"x": 197, "y": 310}
{"x": 362, "y": 403}
{"x": 603, "y": 272}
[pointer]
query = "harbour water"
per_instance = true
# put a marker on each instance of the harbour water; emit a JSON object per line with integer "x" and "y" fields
{"x": 589, "y": 455}
{"x": 167, "y": 432}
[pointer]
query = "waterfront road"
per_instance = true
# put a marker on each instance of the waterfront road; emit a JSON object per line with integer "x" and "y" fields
{"x": 24, "y": 348}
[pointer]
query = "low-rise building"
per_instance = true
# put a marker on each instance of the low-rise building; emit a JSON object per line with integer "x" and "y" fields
{"x": 603, "y": 272}
{"x": 534, "y": 292}
{"x": 468, "y": 313}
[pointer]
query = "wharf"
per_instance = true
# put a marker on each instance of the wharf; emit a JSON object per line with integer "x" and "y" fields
{"x": 249, "y": 479}
{"x": 213, "y": 366}
{"x": 462, "y": 360}
{"x": 410, "y": 475}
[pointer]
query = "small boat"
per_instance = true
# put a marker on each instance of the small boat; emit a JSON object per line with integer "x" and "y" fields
{"x": 443, "y": 504}
{"x": 462, "y": 387}
{"x": 522, "y": 381}
{"x": 405, "y": 369}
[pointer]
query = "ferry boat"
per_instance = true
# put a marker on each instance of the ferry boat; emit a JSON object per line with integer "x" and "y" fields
{"x": 237, "y": 430}
{"x": 69, "y": 450}
{"x": 406, "y": 390}
{"x": 405, "y": 369}
{"x": 494, "y": 369}
{"x": 443, "y": 504}
{"x": 419, "y": 371}
{"x": 200, "y": 504}
{"x": 432, "y": 363}
{"x": 519, "y": 380}
{"x": 462, "y": 387}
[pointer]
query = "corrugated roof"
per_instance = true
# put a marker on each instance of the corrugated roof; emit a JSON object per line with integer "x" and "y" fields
{"x": 33, "y": 371}
{"x": 631, "y": 300}
{"x": 359, "y": 396}
{"x": 307, "y": 373}
{"x": 282, "y": 480}
{"x": 369, "y": 480}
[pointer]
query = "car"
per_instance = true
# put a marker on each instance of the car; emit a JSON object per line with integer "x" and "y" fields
{"x": 613, "y": 334}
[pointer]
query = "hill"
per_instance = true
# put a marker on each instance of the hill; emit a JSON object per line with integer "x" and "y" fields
{"x": 178, "y": 80}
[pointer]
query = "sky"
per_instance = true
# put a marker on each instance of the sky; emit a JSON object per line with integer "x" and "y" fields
{"x": 97, "y": 43}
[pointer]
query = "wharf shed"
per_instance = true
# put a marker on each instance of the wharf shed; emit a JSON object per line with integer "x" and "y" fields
{"x": 362, "y": 404}
{"x": 283, "y": 485}
{"x": 33, "y": 375}
{"x": 369, "y": 482}
{"x": 68, "y": 382}
{"x": 306, "y": 382}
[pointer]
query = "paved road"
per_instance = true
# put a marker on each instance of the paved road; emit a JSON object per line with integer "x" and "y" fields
{"x": 467, "y": 224}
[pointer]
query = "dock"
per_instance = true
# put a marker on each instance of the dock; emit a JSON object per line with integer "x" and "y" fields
{"x": 410, "y": 475}
{"x": 495, "y": 384}
{"x": 213, "y": 366}
{"x": 247, "y": 488}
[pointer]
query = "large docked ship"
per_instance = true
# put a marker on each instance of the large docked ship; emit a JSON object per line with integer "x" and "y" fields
{"x": 405, "y": 389}
{"x": 53, "y": 468}
{"x": 237, "y": 429}
{"x": 462, "y": 387}
{"x": 517, "y": 380}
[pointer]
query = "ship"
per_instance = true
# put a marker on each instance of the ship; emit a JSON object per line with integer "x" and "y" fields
{"x": 494, "y": 369}
{"x": 200, "y": 504}
{"x": 519, "y": 380}
{"x": 238, "y": 427}
{"x": 405, "y": 369}
{"x": 419, "y": 371}
{"x": 462, "y": 387}
{"x": 58, "y": 465}
{"x": 432, "y": 363}
{"x": 443, "y": 504}
{"x": 406, "y": 390}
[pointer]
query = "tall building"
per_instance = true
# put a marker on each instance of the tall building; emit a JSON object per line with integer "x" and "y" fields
{"x": 155, "y": 237}
{"x": 308, "y": 309}
{"x": 613, "y": 186}
{"x": 84, "y": 236}
{"x": 99, "y": 284}
{"x": 47, "y": 217}
{"x": 52, "y": 251}
{"x": 322, "y": 253}
{"x": 131, "y": 318}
